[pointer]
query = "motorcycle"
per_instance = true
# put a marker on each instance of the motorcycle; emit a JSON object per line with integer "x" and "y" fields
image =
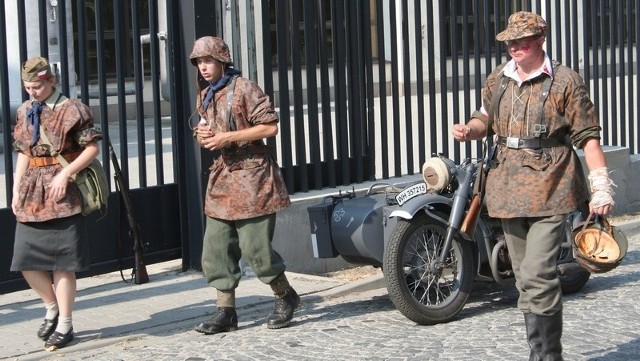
{"x": 421, "y": 238}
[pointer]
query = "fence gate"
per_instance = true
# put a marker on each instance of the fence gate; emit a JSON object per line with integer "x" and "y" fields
{"x": 113, "y": 55}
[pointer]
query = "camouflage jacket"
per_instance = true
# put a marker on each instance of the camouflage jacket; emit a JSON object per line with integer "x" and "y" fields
{"x": 546, "y": 181}
{"x": 69, "y": 127}
{"x": 244, "y": 184}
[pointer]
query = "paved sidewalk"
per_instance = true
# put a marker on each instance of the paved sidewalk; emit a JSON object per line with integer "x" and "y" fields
{"x": 114, "y": 320}
{"x": 108, "y": 309}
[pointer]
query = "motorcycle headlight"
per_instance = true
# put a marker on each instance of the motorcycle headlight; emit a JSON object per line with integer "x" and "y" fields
{"x": 436, "y": 174}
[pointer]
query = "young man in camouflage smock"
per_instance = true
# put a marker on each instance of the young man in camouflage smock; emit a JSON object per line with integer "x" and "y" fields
{"x": 245, "y": 187}
{"x": 537, "y": 177}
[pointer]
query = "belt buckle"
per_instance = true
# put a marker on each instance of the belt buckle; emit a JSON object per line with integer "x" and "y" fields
{"x": 513, "y": 142}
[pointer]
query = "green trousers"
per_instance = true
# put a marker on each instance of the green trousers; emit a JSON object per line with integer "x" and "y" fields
{"x": 225, "y": 242}
{"x": 533, "y": 244}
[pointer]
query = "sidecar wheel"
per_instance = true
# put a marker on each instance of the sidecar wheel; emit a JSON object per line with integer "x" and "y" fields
{"x": 420, "y": 293}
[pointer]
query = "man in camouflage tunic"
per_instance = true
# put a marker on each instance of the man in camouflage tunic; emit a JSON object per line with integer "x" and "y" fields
{"x": 537, "y": 177}
{"x": 245, "y": 187}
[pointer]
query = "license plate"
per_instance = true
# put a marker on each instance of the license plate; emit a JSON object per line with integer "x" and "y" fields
{"x": 411, "y": 192}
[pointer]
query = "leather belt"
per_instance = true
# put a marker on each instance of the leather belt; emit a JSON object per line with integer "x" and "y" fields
{"x": 51, "y": 160}
{"x": 532, "y": 143}
{"x": 245, "y": 150}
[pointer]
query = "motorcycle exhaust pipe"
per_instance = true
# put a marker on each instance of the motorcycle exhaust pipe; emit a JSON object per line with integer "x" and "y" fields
{"x": 494, "y": 265}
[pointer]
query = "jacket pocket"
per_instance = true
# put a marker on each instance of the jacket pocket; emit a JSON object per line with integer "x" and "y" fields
{"x": 538, "y": 159}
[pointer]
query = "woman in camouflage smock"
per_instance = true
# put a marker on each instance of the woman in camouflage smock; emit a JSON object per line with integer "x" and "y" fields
{"x": 542, "y": 111}
{"x": 50, "y": 233}
{"x": 245, "y": 187}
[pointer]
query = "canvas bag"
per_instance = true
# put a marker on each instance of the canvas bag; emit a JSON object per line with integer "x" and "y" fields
{"x": 91, "y": 181}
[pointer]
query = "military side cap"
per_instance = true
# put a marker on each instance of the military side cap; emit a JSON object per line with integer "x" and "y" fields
{"x": 210, "y": 46}
{"x": 521, "y": 25}
{"x": 35, "y": 69}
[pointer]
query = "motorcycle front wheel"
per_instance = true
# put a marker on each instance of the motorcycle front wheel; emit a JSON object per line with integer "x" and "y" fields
{"x": 419, "y": 288}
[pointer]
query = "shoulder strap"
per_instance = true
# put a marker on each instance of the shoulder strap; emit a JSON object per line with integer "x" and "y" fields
{"x": 231, "y": 86}
{"x": 495, "y": 101}
{"x": 539, "y": 128}
{"x": 45, "y": 140}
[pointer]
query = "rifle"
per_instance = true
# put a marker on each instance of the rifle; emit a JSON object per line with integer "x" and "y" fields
{"x": 473, "y": 214}
{"x": 139, "y": 271}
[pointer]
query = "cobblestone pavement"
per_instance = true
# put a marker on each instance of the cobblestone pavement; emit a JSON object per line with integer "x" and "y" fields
{"x": 602, "y": 322}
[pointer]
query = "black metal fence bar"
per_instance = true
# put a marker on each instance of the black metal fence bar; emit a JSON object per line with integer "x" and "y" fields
{"x": 5, "y": 111}
{"x": 312, "y": 29}
{"x": 154, "y": 33}
{"x": 406, "y": 63}
{"x": 360, "y": 99}
{"x": 382, "y": 86}
{"x": 299, "y": 132}
{"x": 283, "y": 86}
{"x": 138, "y": 75}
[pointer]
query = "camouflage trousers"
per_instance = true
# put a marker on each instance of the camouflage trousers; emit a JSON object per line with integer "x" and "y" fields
{"x": 533, "y": 244}
{"x": 225, "y": 242}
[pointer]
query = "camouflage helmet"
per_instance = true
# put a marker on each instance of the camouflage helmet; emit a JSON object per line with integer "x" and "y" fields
{"x": 210, "y": 46}
{"x": 521, "y": 25}
{"x": 36, "y": 69}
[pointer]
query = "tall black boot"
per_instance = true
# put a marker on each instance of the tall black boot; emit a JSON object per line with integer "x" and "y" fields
{"x": 533, "y": 336}
{"x": 543, "y": 335}
{"x": 551, "y": 333}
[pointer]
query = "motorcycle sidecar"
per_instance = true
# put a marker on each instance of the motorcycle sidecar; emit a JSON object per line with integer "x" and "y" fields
{"x": 351, "y": 227}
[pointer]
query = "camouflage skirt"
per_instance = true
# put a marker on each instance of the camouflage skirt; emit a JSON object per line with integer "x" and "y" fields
{"x": 55, "y": 245}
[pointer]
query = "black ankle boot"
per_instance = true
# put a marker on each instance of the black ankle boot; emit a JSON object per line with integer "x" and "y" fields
{"x": 283, "y": 310}
{"x": 224, "y": 320}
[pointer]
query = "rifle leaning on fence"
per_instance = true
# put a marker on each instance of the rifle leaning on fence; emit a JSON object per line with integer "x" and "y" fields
{"x": 139, "y": 271}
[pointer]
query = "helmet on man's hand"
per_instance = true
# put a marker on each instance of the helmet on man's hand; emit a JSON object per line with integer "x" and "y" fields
{"x": 598, "y": 246}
